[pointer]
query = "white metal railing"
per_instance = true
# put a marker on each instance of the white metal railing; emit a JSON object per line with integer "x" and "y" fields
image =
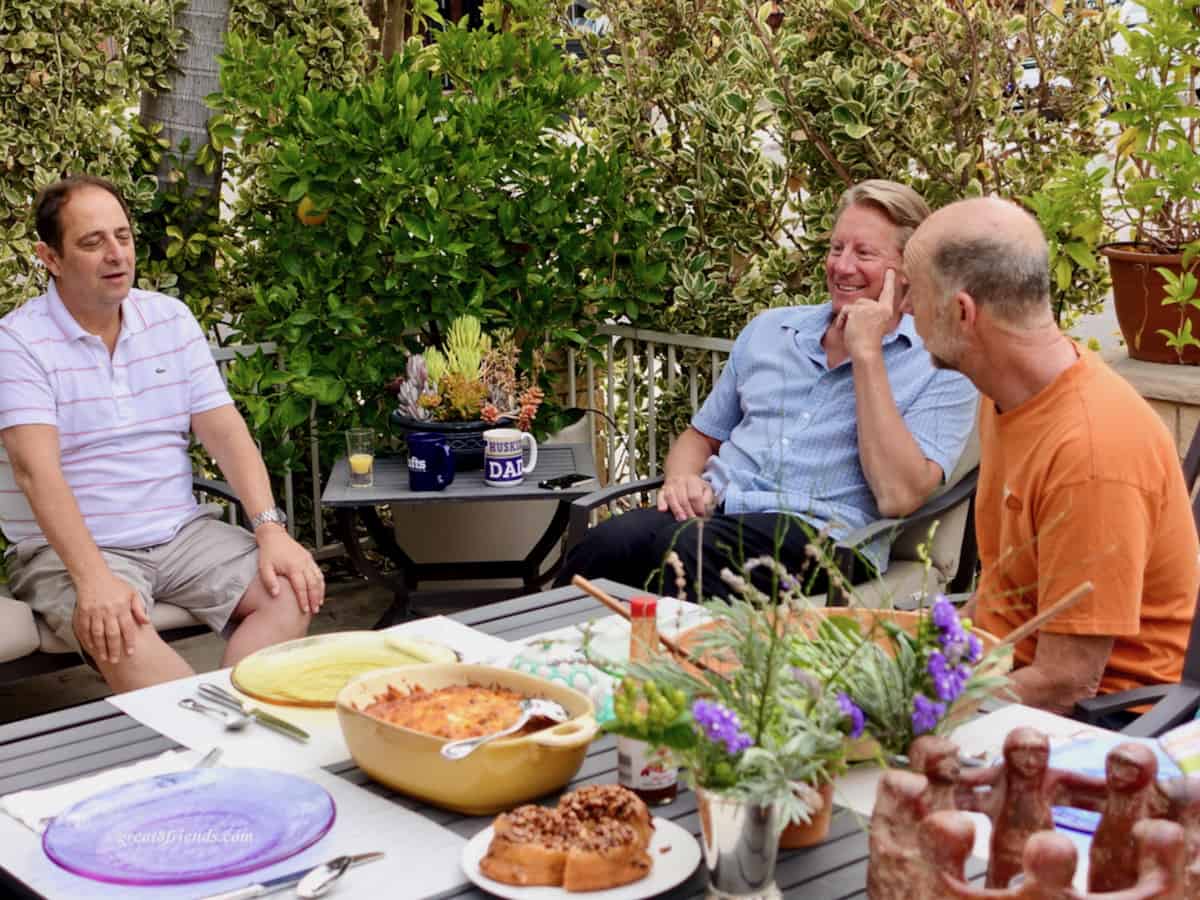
{"x": 652, "y": 359}
{"x": 637, "y": 364}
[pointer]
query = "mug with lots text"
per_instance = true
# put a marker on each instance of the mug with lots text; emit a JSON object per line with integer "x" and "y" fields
{"x": 503, "y": 456}
{"x": 430, "y": 461}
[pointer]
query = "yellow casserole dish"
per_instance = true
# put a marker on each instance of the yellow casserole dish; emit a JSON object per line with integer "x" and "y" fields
{"x": 499, "y": 775}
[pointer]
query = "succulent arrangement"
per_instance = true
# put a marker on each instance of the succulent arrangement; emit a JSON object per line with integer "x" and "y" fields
{"x": 469, "y": 377}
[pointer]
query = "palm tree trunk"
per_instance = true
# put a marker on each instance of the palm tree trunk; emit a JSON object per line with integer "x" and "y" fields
{"x": 181, "y": 110}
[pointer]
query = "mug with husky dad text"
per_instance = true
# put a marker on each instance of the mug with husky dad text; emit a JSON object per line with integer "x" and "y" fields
{"x": 503, "y": 456}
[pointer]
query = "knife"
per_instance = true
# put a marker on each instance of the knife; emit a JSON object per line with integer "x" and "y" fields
{"x": 283, "y": 882}
{"x": 220, "y": 695}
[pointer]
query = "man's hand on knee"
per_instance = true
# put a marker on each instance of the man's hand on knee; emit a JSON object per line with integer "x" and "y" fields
{"x": 279, "y": 555}
{"x": 685, "y": 496}
{"x": 108, "y": 613}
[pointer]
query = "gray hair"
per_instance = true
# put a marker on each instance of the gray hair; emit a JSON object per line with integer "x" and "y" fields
{"x": 902, "y": 206}
{"x": 1009, "y": 277}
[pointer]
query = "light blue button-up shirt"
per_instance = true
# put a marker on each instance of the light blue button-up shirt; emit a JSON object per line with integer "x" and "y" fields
{"x": 788, "y": 428}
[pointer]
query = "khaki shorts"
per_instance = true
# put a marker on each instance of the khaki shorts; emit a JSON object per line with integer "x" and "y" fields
{"x": 205, "y": 569}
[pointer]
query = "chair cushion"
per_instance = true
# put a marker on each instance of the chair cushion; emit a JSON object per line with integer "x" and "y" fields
{"x": 899, "y": 583}
{"x": 948, "y": 540}
{"x": 18, "y": 630}
{"x": 163, "y": 615}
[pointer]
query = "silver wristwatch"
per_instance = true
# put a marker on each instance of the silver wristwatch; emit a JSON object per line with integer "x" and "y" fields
{"x": 276, "y": 515}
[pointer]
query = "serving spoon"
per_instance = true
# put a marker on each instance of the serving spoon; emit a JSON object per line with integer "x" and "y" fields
{"x": 531, "y": 708}
{"x": 233, "y": 721}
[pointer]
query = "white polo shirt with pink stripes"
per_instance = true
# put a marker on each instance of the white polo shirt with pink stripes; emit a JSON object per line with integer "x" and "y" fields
{"x": 123, "y": 420}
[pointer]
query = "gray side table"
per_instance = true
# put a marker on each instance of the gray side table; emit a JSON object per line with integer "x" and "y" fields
{"x": 353, "y": 506}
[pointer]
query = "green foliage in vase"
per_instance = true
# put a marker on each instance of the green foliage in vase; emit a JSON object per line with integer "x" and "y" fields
{"x": 753, "y": 726}
{"x": 905, "y": 684}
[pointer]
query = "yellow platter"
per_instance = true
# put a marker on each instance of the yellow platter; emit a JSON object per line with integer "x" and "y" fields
{"x": 311, "y": 671}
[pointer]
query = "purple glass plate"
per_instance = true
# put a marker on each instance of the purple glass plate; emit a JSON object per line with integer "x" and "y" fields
{"x": 190, "y": 826}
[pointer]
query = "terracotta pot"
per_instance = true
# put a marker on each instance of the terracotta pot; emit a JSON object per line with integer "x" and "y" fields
{"x": 1138, "y": 290}
{"x": 798, "y": 834}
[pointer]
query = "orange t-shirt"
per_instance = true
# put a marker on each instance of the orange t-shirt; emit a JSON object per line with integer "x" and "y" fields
{"x": 1082, "y": 482}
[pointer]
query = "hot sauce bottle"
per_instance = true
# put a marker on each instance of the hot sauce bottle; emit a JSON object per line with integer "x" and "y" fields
{"x": 647, "y": 771}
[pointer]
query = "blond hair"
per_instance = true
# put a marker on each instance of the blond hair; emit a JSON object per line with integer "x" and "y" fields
{"x": 902, "y": 206}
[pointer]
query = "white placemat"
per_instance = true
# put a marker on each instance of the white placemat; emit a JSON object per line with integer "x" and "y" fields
{"x": 422, "y": 858}
{"x": 473, "y": 645}
{"x": 158, "y": 707}
{"x": 610, "y": 632}
{"x": 34, "y": 808}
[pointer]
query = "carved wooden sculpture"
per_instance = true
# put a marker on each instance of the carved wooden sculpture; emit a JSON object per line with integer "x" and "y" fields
{"x": 1048, "y": 866}
{"x": 1018, "y": 802}
{"x": 1133, "y": 795}
{"x": 937, "y": 759}
{"x": 1017, "y": 795}
{"x": 945, "y": 838}
{"x": 1183, "y": 806}
{"x": 1146, "y": 847}
{"x": 895, "y": 863}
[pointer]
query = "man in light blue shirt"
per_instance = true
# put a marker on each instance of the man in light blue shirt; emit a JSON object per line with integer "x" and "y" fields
{"x": 825, "y": 418}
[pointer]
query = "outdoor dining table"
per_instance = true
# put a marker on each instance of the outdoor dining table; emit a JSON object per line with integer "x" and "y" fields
{"x": 60, "y": 746}
{"x": 355, "y": 505}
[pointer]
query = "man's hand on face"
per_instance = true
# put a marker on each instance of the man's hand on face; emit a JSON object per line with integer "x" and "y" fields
{"x": 865, "y": 323}
{"x": 279, "y": 555}
{"x": 108, "y": 612}
{"x": 686, "y": 496}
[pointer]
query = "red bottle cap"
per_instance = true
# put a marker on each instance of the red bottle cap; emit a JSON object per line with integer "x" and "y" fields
{"x": 643, "y": 606}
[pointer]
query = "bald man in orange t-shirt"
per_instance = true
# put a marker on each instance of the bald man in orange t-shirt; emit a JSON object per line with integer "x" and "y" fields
{"x": 1079, "y": 478}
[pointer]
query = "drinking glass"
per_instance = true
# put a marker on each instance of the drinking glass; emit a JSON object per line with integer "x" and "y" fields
{"x": 360, "y": 448}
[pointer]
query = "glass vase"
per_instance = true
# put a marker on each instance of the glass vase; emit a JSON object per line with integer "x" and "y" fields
{"x": 741, "y": 842}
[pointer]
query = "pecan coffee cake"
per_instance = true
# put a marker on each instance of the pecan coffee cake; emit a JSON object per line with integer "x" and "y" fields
{"x": 596, "y": 838}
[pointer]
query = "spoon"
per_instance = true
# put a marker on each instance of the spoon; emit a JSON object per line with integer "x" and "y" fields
{"x": 318, "y": 882}
{"x": 233, "y": 721}
{"x": 531, "y": 708}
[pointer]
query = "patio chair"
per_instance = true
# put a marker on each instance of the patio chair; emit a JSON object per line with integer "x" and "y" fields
{"x": 1173, "y": 704}
{"x": 28, "y": 647}
{"x": 953, "y": 552}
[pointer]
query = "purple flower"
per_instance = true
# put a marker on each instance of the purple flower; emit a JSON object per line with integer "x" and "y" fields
{"x": 974, "y": 649}
{"x": 926, "y": 713}
{"x": 943, "y": 613}
{"x": 858, "y": 721}
{"x": 721, "y": 726}
{"x": 948, "y": 680}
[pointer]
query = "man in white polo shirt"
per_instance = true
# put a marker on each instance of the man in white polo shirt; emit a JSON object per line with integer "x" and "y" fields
{"x": 100, "y": 385}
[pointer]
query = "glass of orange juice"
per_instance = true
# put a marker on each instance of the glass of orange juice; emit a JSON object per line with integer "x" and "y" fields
{"x": 360, "y": 447}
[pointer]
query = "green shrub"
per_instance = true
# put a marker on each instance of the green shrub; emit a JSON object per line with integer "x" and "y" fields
{"x": 419, "y": 204}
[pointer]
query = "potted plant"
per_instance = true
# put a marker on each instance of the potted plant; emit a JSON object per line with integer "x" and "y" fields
{"x": 1156, "y": 183}
{"x": 757, "y": 741}
{"x": 466, "y": 386}
{"x": 910, "y": 673}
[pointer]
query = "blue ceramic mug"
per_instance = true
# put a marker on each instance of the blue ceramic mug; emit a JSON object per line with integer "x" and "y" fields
{"x": 430, "y": 462}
